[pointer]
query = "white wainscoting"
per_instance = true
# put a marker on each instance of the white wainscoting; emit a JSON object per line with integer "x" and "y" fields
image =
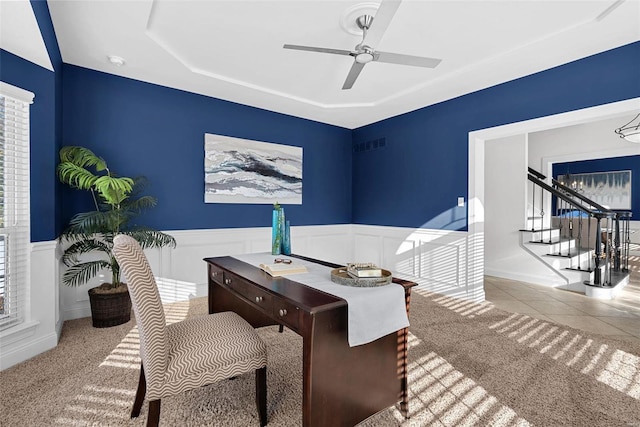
{"x": 181, "y": 272}
{"x": 40, "y": 330}
{"x": 436, "y": 259}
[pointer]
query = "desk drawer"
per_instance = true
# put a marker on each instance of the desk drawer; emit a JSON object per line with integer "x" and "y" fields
{"x": 287, "y": 313}
{"x": 250, "y": 292}
{"x": 215, "y": 274}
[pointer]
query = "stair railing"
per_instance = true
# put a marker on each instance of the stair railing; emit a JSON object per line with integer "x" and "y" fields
{"x": 616, "y": 232}
{"x": 616, "y": 254}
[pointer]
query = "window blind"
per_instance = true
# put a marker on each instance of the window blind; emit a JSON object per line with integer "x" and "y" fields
{"x": 14, "y": 203}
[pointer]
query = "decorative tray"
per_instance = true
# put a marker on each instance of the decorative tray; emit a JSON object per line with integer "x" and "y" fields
{"x": 341, "y": 277}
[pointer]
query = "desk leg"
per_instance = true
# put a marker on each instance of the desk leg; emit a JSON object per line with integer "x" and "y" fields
{"x": 402, "y": 356}
{"x": 403, "y": 338}
{"x": 344, "y": 385}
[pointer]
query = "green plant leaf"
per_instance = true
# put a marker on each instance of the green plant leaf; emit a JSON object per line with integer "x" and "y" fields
{"x": 149, "y": 238}
{"x": 114, "y": 190}
{"x": 84, "y": 225}
{"x": 81, "y": 157}
{"x": 140, "y": 204}
{"x": 76, "y": 176}
{"x": 83, "y": 272}
{"x": 70, "y": 255}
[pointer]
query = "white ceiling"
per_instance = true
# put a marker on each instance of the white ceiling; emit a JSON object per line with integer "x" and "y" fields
{"x": 232, "y": 50}
{"x": 19, "y": 33}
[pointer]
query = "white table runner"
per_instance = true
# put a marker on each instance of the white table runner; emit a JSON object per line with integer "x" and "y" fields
{"x": 373, "y": 312}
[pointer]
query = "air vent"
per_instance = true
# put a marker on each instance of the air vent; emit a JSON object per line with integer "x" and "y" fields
{"x": 374, "y": 144}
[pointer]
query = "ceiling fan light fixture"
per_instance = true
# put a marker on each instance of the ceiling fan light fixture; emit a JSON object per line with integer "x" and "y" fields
{"x": 364, "y": 57}
{"x": 630, "y": 131}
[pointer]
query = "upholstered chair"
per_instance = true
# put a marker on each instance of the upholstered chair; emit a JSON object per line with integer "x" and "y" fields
{"x": 192, "y": 353}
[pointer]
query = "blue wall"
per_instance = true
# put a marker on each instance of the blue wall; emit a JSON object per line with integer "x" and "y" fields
{"x": 425, "y": 157}
{"x": 46, "y": 131}
{"x": 46, "y": 224}
{"x": 631, "y": 163}
{"x": 145, "y": 129}
{"x": 46, "y": 124}
{"x": 26, "y": 75}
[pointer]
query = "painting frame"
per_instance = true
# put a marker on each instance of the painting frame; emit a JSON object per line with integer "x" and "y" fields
{"x": 611, "y": 189}
{"x": 238, "y": 170}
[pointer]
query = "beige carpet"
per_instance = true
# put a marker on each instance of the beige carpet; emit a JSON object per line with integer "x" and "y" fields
{"x": 470, "y": 364}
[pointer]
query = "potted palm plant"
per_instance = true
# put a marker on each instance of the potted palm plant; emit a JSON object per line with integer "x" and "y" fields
{"x": 117, "y": 202}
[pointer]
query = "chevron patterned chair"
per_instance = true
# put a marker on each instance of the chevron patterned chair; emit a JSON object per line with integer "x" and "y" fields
{"x": 188, "y": 354}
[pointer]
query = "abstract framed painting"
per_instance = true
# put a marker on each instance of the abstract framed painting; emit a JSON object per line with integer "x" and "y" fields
{"x": 244, "y": 171}
{"x": 609, "y": 189}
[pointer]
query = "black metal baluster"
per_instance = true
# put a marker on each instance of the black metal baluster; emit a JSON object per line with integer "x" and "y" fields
{"x": 541, "y": 216}
{"x": 589, "y": 242}
{"x": 627, "y": 241}
{"x": 571, "y": 239}
{"x": 606, "y": 249}
{"x": 560, "y": 202}
{"x": 616, "y": 243}
{"x": 597, "y": 279}
{"x": 609, "y": 250}
{"x": 579, "y": 240}
{"x": 533, "y": 206}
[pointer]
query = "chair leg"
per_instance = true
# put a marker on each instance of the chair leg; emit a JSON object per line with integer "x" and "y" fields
{"x": 142, "y": 390}
{"x": 261, "y": 394}
{"x": 154, "y": 413}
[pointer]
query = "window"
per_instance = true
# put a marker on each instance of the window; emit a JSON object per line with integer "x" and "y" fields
{"x": 14, "y": 202}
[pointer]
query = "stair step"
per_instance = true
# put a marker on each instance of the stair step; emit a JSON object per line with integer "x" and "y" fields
{"x": 573, "y": 252}
{"x": 583, "y": 270}
{"x": 538, "y": 230}
{"x": 616, "y": 278}
{"x": 549, "y": 242}
{"x": 536, "y": 222}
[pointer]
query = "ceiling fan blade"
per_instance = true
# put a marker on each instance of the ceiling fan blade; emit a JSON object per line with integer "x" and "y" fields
{"x": 381, "y": 21}
{"x": 354, "y": 72}
{"x": 398, "y": 58}
{"x": 317, "y": 49}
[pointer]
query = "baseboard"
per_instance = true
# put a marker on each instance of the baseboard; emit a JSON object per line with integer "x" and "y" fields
{"x": 78, "y": 311}
{"x": 527, "y": 278}
{"x": 27, "y": 350}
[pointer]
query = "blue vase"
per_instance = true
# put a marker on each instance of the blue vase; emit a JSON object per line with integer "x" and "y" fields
{"x": 286, "y": 240}
{"x": 276, "y": 230}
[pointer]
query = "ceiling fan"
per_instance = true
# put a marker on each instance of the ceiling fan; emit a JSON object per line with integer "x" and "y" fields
{"x": 364, "y": 53}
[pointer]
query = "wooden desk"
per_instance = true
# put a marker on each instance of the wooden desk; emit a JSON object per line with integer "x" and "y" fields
{"x": 342, "y": 385}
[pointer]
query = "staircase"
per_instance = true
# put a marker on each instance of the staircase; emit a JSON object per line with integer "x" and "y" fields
{"x": 584, "y": 243}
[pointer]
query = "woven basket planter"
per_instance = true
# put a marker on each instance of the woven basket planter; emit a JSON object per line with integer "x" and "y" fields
{"x": 109, "y": 309}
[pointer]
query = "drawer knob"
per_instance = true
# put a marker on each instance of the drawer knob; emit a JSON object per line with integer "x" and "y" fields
{"x": 227, "y": 281}
{"x": 282, "y": 312}
{"x": 214, "y": 274}
{"x": 259, "y": 299}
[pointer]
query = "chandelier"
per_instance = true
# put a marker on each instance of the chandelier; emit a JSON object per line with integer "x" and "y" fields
{"x": 569, "y": 181}
{"x": 630, "y": 131}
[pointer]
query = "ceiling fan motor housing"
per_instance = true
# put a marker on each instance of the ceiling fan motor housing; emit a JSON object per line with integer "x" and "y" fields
{"x": 364, "y": 22}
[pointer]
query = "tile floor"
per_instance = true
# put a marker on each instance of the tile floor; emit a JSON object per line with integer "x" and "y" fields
{"x": 619, "y": 318}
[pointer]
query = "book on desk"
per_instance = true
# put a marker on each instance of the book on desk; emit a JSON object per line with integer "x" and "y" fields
{"x": 283, "y": 269}
{"x": 360, "y": 270}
